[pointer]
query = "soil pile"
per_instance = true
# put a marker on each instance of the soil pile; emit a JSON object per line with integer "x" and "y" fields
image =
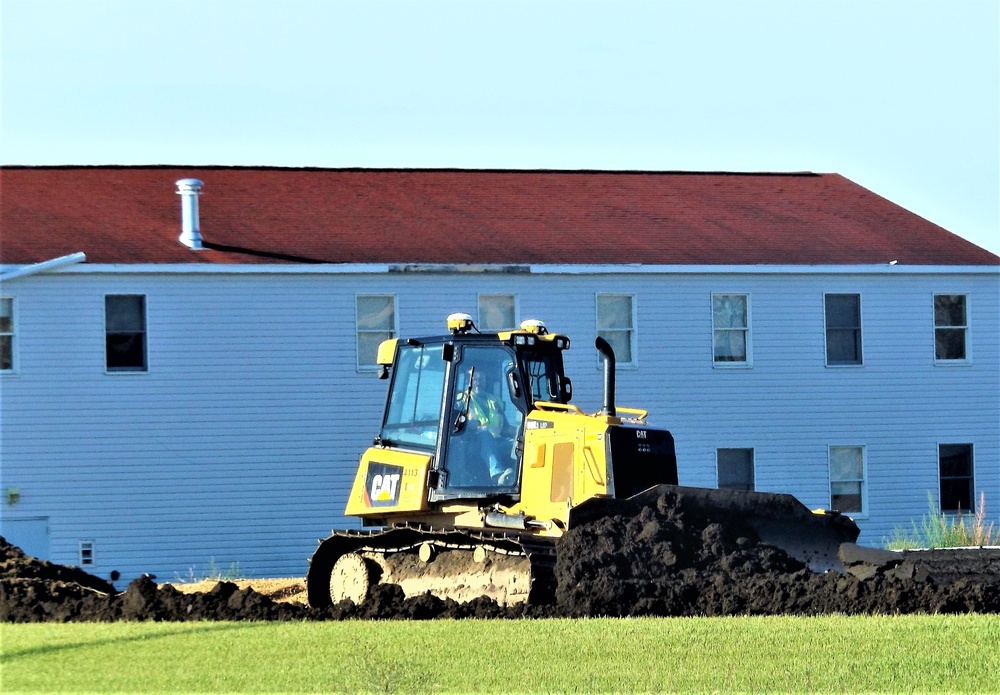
{"x": 668, "y": 559}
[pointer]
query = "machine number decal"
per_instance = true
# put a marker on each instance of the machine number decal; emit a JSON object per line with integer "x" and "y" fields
{"x": 383, "y": 485}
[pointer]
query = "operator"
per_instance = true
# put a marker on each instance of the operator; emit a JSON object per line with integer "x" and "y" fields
{"x": 486, "y": 414}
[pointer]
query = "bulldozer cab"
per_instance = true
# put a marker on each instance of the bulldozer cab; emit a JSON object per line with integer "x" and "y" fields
{"x": 463, "y": 399}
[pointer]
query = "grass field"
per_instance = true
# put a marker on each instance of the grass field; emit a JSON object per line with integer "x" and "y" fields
{"x": 840, "y": 654}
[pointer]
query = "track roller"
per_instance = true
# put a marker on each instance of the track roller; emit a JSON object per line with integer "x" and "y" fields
{"x": 353, "y": 577}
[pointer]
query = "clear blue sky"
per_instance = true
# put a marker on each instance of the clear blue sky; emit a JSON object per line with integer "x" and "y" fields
{"x": 902, "y": 96}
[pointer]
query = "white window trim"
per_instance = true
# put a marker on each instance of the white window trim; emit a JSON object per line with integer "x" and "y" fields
{"x": 364, "y": 368}
{"x": 753, "y": 462}
{"x": 863, "y": 514}
{"x": 517, "y": 306}
{"x": 748, "y": 363}
{"x": 634, "y": 364}
{"x": 861, "y": 321}
{"x": 15, "y": 325}
{"x": 937, "y": 462}
{"x": 968, "y": 333}
{"x": 89, "y": 545}
{"x": 145, "y": 331}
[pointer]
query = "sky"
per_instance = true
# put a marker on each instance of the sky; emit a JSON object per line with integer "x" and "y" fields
{"x": 900, "y": 96}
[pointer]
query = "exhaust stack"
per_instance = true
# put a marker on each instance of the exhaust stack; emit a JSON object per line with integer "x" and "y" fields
{"x": 189, "y": 190}
{"x": 608, "y": 355}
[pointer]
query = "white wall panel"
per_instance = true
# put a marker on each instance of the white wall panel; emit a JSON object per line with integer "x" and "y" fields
{"x": 240, "y": 442}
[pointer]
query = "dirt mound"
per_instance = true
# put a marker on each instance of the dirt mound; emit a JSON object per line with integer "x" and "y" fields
{"x": 14, "y": 564}
{"x": 668, "y": 559}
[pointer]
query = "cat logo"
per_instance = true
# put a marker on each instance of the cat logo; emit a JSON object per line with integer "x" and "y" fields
{"x": 382, "y": 489}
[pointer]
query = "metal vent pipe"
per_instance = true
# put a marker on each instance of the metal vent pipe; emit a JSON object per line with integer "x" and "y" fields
{"x": 188, "y": 190}
{"x": 608, "y": 354}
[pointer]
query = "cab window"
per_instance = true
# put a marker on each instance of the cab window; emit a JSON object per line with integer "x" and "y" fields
{"x": 415, "y": 398}
{"x": 543, "y": 374}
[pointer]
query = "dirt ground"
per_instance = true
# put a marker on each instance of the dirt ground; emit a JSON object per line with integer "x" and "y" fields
{"x": 278, "y": 590}
{"x": 667, "y": 560}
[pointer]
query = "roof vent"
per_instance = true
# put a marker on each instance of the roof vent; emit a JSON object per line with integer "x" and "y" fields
{"x": 188, "y": 190}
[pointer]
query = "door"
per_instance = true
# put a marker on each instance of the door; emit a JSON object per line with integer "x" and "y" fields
{"x": 30, "y": 534}
{"x": 485, "y": 423}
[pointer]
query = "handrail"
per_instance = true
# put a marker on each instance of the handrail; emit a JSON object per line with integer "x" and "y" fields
{"x": 552, "y": 405}
{"x": 638, "y": 412}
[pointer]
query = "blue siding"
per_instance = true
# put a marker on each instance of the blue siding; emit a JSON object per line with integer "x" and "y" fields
{"x": 240, "y": 442}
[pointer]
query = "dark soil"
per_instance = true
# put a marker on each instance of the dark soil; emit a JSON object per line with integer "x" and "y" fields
{"x": 667, "y": 560}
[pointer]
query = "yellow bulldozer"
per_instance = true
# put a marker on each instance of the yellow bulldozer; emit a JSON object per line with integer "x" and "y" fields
{"x": 481, "y": 463}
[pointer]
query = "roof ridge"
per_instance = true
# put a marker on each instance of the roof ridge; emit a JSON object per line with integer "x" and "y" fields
{"x": 445, "y": 170}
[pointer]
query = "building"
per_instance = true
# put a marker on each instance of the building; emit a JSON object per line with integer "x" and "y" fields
{"x": 187, "y": 381}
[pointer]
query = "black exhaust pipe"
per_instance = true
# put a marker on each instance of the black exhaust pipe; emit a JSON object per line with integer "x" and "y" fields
{"x": 608, "y": 354}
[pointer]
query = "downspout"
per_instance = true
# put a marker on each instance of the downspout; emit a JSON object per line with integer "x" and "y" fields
{"x": 53, "y": 264}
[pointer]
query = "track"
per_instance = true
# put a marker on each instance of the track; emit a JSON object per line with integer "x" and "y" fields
{"x": 505, "y": 566}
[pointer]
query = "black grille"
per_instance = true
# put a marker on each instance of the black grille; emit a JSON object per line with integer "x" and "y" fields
{"x": 641, "y": 458}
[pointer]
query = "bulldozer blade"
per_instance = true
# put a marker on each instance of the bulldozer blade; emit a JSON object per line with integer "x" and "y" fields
{"x": 778, "y": 519}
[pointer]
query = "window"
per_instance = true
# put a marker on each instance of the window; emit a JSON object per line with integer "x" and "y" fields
{"x": 955, "y": 462}
{"x": 6, "y": 334}
{"x": 843, "y": 329}
{"x": 735, "y": 469}
{"x": 730, "y": 329}
{"x": 415, "y": 397}
{"x": 125, "y": 332}
{"x": 497, "y": 312}
{"x": 86, "y": 553}
{"x": 847, "y": 479}
{"x": 951, "y": 325}
{"x": 376, "y": 320}
{"x": 616, "y": 324}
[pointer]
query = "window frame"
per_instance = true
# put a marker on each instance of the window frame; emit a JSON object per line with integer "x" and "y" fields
{"x": 86, "y": 549}
{"x": 944, "y": 362}
{"x": 12, "y": 334}
{"x": 863, "y": 480}
{"x": 144, "y": 369}
{"x": 479, "y": 311}
{"x": 361, "y": 368}
{"x": 860, "y": 332}
{"x": 753, "y": 467}
{"x": 746, "y": 363}
{"x": 633, "y": 329}
{"x": 971, "y": 477}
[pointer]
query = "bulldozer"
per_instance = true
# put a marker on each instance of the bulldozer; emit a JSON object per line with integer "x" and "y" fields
{"x": 482, "y": 463}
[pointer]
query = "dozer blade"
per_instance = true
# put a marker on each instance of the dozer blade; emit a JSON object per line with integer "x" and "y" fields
{"x": 778, "y": 519}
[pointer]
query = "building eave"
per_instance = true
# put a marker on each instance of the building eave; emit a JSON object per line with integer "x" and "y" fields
{"x": 506, "y": 269}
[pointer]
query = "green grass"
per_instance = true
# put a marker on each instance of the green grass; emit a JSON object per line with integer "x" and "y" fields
{"x": 840, "y": 654}
{"x": 940, "y": 530}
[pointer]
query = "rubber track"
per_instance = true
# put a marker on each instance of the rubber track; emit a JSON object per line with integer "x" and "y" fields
{"x": 540, "y": 551}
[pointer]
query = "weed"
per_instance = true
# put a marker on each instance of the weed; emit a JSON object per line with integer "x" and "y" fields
{"x": 940, "y": 530}
{"x": 212, "y": 572}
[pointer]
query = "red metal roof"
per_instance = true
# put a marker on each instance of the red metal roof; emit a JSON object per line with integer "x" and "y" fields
{"x": 132, "y": 215}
